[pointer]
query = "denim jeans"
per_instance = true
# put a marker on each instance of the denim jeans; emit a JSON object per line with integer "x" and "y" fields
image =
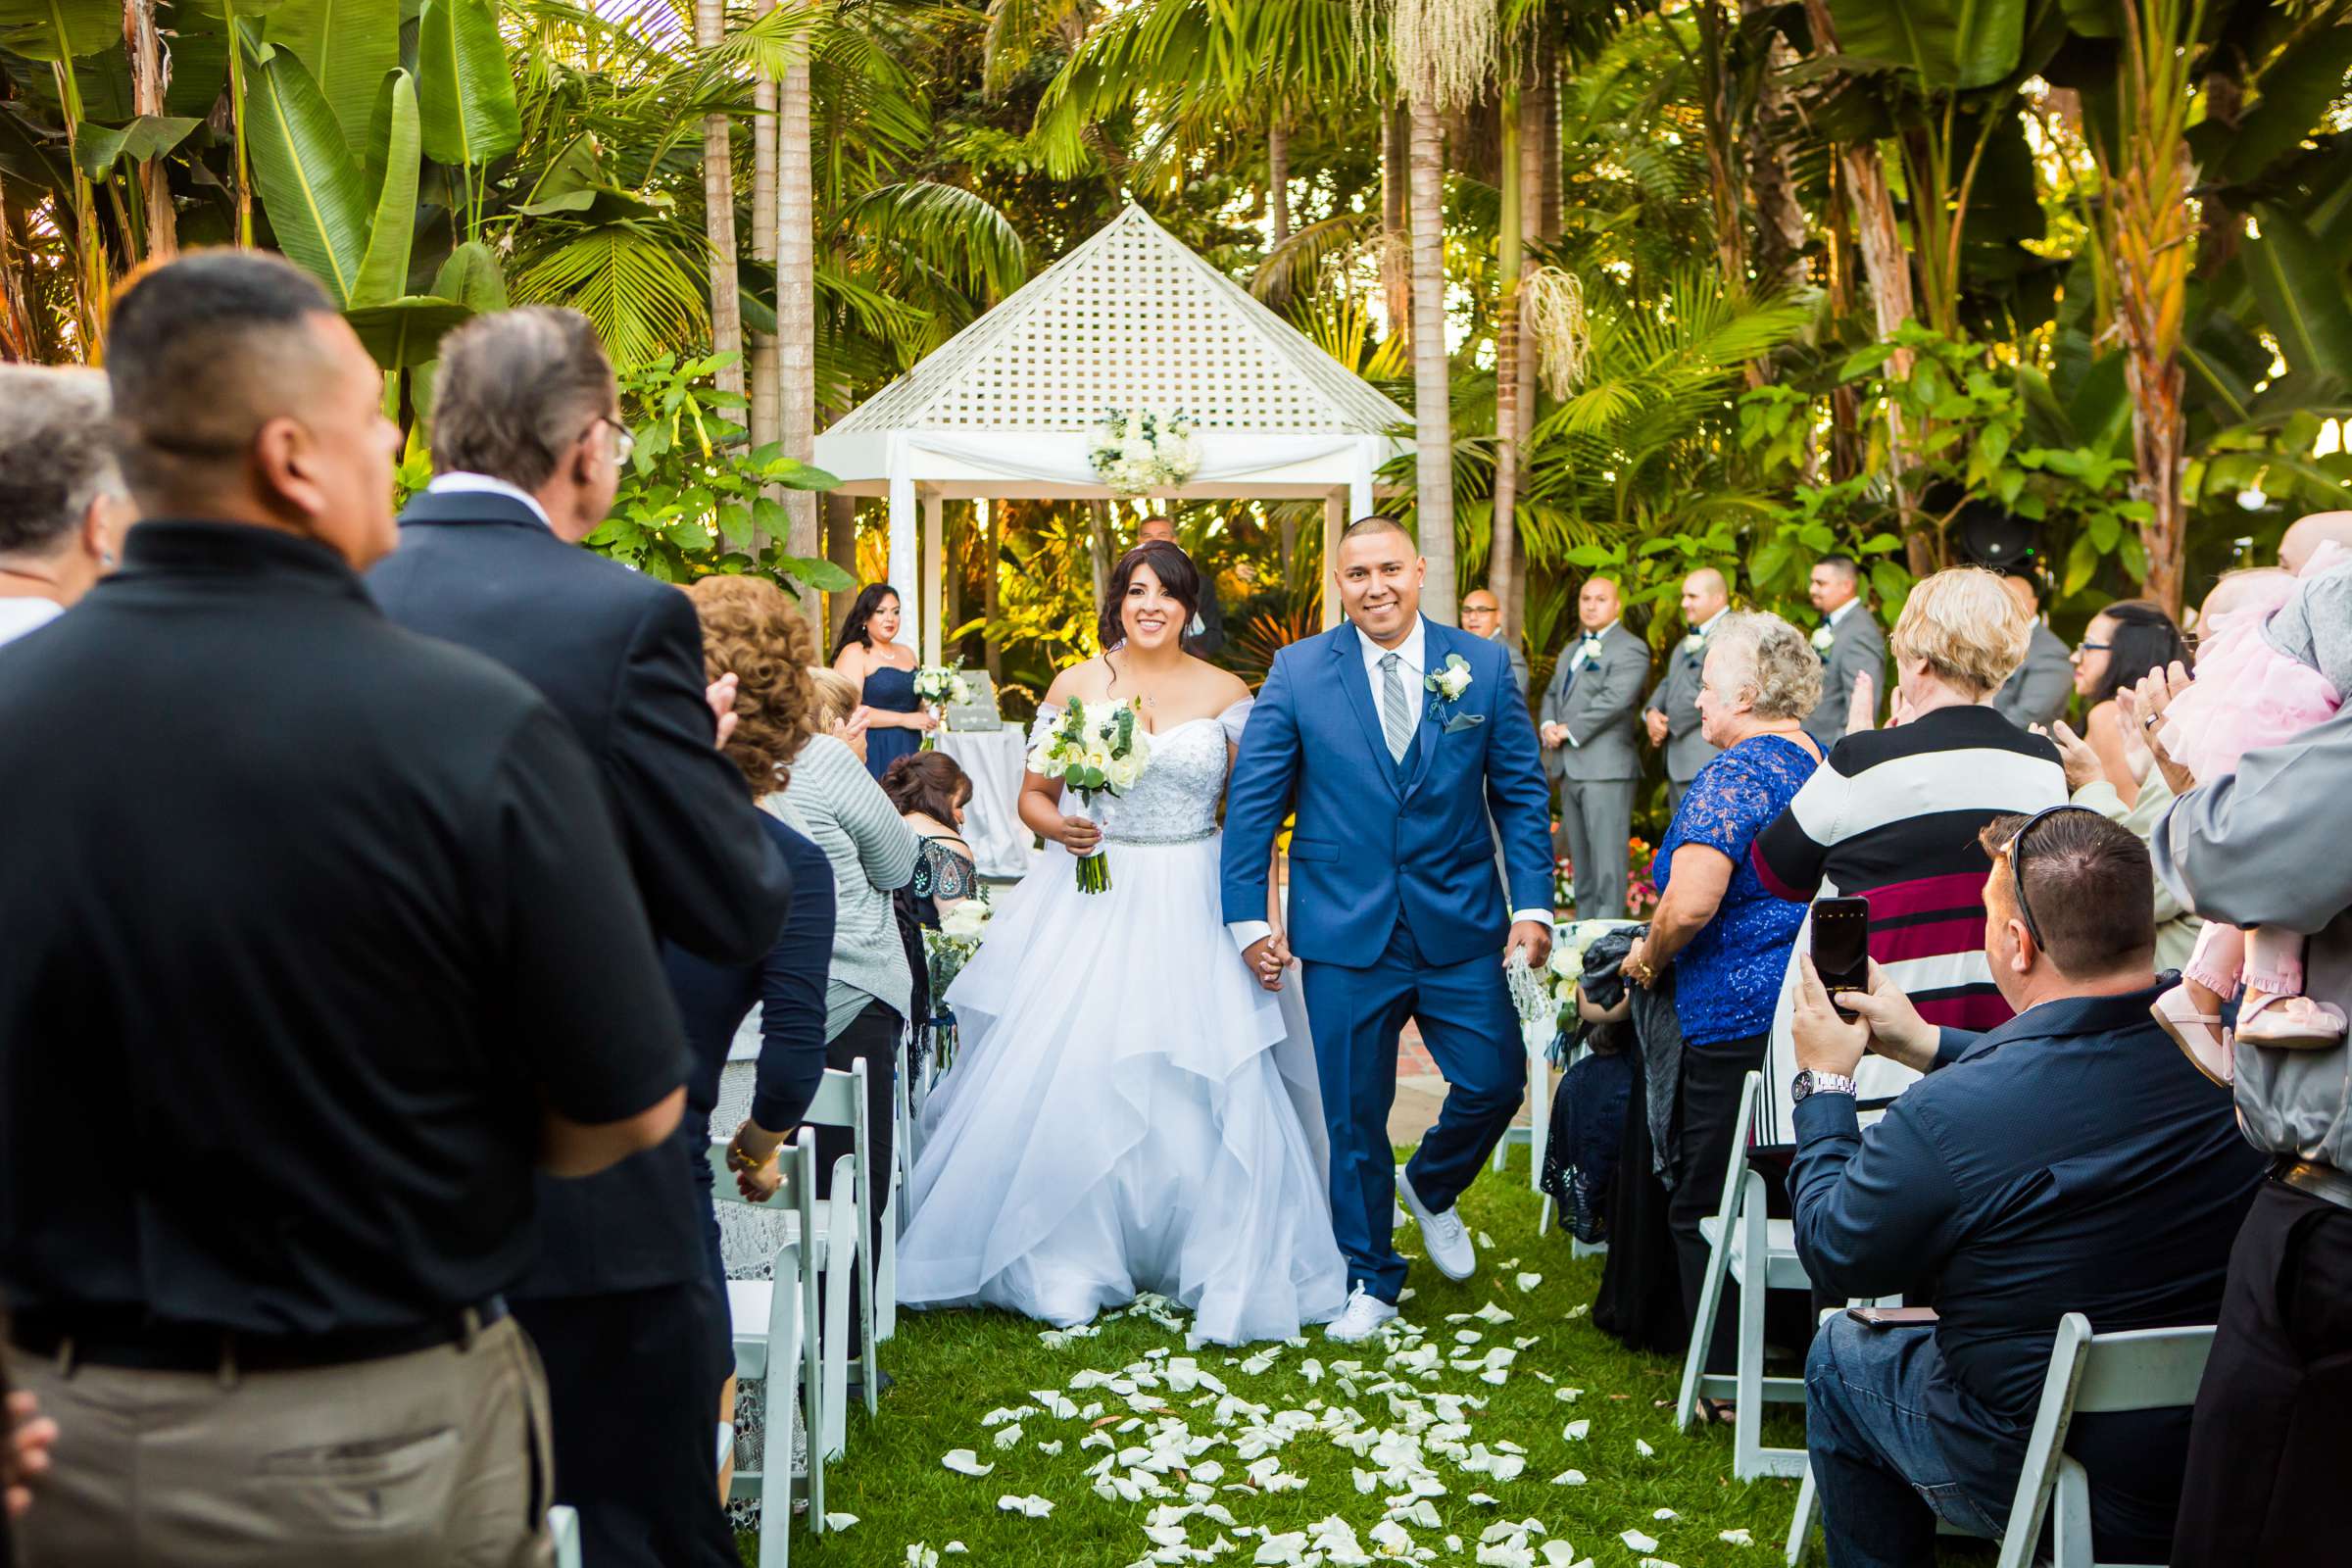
{"x": 1880, "y": 1473}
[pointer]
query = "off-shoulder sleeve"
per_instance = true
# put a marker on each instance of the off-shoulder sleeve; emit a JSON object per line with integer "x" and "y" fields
{"x": 1236, "y": 718}
{"x": 1047, "y": 715}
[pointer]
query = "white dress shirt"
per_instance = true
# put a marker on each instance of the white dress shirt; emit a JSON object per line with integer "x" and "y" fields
{"x": 460, "y": 482}
{"x": 1412, "y": 662}
{"x": 20, "y": 616}
{"x": 1832, "y": 620}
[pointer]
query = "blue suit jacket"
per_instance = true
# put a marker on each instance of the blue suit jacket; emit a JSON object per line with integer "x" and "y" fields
{"x": 1367, "y": 843}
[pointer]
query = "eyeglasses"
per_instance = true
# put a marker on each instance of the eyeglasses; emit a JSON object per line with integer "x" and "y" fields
{"x": 2086, "y": 646}
{"x": 623, "y": 442}
{"x": 2015, "y": 855}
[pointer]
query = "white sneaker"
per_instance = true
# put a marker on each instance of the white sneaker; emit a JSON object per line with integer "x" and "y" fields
{"x": 1360, "y": 1318}
{"x": 1442, "y": 1235}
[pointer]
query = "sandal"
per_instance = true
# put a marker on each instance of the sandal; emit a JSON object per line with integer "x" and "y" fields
{"x": 2197, "y": 1034}
{"x": 2291, "y": 1023}
{"x": 1716, "y": 1412}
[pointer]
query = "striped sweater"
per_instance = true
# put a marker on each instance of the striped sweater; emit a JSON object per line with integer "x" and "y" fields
{"x": 1893, "y": 816}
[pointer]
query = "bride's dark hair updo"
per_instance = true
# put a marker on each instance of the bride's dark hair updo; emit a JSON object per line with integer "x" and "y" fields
{"x": 1178, "y": 577}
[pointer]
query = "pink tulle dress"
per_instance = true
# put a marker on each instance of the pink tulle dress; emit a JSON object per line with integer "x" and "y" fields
{"x": 2247, "y": 694}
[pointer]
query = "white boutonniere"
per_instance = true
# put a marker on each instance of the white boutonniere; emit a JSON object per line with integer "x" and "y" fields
{"x": 1449, "y": 679}
{"x": 1823, "y": 636}
{"x": 1695, "y": 644}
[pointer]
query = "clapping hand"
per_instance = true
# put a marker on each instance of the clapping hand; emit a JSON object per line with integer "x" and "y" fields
{"x": 721, "y": 695}
{"x": 2081, "y": 763}
{"x": 1862, "y": 708}
{"x": 2143, "y": 707}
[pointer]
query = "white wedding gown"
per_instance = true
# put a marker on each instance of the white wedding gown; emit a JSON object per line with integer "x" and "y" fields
{"x": 1128, "y": 1110}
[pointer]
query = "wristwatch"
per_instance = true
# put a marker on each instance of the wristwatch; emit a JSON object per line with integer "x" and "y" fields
{"x": 1808, "y": 1083}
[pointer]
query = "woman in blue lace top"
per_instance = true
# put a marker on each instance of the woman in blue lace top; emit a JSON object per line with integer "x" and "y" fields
{"x": 1726, "y": 937}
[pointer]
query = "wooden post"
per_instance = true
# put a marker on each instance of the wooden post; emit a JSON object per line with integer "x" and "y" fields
{"x": 992, "y": 543}
{"x": 1334, "y": 523}
{"x": 934, "y": 520}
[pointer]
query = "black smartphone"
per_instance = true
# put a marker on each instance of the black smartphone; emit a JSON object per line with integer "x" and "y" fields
{"x": 1841, "y": 946}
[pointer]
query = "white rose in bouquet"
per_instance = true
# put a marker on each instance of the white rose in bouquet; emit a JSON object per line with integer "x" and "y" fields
{"x": 966, "y": 920}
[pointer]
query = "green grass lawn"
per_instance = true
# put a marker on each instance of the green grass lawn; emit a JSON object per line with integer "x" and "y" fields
{"x": 953, "y": 1369}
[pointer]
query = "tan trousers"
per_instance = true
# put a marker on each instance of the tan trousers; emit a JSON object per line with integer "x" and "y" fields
{"x": 435, "y": 1459}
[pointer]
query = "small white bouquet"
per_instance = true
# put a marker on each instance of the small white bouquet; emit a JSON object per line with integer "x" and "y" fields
{"x": 939, "y": 686}
{"x": 963, "y": 926}
{"x": 1097, "y": 749}
{"x": 1141, "y": 451}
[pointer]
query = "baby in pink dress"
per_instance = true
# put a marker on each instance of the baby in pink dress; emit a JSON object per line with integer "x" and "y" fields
{"x": 2271, "y": 667}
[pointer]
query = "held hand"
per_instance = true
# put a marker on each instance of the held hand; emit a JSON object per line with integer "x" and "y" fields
{"x": 1862, "y": 708}
{"x": 925, "y": 720}
{"x": 756, "y": 1174}
{"x": 1825, "y": 1042}
{"x": 2141, "y": 708}
{"x": 721, "y": 695}
{"x": 25, "y": 1447}
{"x": 1533, "y": 938}
{"x": 1267, "y": 957}
{"x": 1656, "y": 722}
{"x": 1080, "y": 836}
{"x": 1553, "y": 735}
{"x": 1896, "y": 1030}
{"x": 2083, "y": 765}
{"x": 1635, "y": 967}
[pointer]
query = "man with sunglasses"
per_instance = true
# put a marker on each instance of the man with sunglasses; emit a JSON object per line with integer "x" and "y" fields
{"x": 527, "y": 448}
{"x": 2070, "y": 1161}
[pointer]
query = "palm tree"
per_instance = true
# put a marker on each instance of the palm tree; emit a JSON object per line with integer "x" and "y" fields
{"x": 796, "y": 304}
{"x": 718, "y": 211}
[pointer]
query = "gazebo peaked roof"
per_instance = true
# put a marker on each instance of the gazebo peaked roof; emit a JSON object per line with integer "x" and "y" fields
{"x": 1132, "y": 318}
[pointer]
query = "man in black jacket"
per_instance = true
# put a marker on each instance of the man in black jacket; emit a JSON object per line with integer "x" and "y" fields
{"x": 527, "y": 444}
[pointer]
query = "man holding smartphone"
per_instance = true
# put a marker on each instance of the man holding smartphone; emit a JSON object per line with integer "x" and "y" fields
{"x": 2079, "y": 1163}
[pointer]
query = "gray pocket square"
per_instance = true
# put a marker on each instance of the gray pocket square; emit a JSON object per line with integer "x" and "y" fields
{"x": 1462, "y": 722}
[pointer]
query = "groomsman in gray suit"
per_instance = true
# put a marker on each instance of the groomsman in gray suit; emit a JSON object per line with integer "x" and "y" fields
{"x": 1482, "y": 616}
{"x": 2037, "y": 694}
{"x": 1850, "y": 644}
{"x": 1672, "y": 708}
{"x": 1588, "y": 735}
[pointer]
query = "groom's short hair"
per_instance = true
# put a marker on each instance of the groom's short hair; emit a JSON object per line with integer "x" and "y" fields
{"x": 1375, "y": 522}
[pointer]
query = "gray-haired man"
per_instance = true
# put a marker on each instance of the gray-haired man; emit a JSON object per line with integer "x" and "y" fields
{"x": 63, "y": 508}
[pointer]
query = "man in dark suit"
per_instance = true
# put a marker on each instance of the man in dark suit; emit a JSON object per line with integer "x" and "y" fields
{"x": 1851, "y": 646}
{"x": 1205, "y": 637}
{"x": 1588, "y": 735}
{"x": 527, "y": 444}
{"x": 2037, "y": 694}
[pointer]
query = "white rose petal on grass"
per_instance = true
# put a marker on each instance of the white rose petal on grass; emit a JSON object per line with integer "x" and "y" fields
{"x": 1490, "y": 1314}
{"x": 1569, "y": 1478}
{"x": 1656, "y": 1562}
{"x": 1665, "y": 1513}
{"x": 840, "y": 1521}
{"x": 1735, "y": 1538}
{"x": 1645, "y": 1449}
{"x": 1635, "y": 1540}
{"x": 920, "y": 1556}
{"x": 1050, "y": 1449}
{"x": 1486, "y": 1241}
{"x": 1527, "y": 1282}
{"x": 1557, "y": 1554}
{"x": 965, "y": 1462}
{"x": 1579, "y": 1309}
{"x": 1576, "y": 1431}
{"x": 1567, "y": 1395}
{"x": 956, "y": 1548}
{"x": 1034, "y": 1506}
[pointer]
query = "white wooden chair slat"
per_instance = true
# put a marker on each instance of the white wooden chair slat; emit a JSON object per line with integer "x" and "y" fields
{"x": 563, "y": 1529}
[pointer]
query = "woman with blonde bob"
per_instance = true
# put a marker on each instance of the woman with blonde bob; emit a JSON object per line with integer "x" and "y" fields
{"x": 1893, "y": 816}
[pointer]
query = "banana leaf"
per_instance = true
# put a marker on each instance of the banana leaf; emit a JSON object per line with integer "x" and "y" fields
{"x": 406, "y": 332}
{"x": 348, "y": 46}
{"x": 316, "y": 201}
{"x": 466, "y": 89}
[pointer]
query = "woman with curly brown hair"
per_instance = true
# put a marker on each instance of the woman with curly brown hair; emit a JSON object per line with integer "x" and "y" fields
{"x": 749, "y": 630}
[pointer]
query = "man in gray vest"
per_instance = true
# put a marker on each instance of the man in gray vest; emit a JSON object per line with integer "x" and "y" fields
{"x": 2037, "y": 694}
{"x": 1588, "y": 735}
{"x": 1849, "y": 643}
{"x": 1672, "y": 708}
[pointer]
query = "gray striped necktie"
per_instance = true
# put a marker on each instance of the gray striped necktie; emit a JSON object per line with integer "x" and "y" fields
{"x": 1395, "y": 717}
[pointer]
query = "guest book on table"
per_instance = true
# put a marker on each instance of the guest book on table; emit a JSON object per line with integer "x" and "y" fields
{"x": 980, "y": 714}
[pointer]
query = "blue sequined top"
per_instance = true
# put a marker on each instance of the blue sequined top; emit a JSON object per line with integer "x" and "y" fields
{"x": 1728, "y": 979}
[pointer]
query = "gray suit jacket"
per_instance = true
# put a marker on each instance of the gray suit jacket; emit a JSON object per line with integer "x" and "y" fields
{"x": 2037, "y": 693}
{"x": 1675, "y": 695}
{"x": 1856, "y": 647}
{"x": 1518, "y": 661}
{"x": 1596, "y": 703}
{"x": 2263, "y": 847}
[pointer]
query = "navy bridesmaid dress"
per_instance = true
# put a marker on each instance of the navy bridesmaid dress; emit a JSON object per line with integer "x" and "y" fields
{"x": 889, "y": 687}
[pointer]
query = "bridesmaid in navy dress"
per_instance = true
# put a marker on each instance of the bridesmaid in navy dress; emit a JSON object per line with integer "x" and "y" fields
{"x": 870, "y": 654}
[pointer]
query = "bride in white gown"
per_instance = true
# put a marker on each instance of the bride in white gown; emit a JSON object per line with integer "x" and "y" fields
{"x": 1129, "y": 1111}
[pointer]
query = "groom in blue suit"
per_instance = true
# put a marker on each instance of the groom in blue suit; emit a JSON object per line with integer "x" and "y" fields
{"x": 1393, "y": 739}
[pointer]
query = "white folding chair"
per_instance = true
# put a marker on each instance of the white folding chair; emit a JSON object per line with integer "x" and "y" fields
{"x": 2090, "y": 1374}
{"x": 840, "y": 1103}
{"x": 779, "y": 1348}
{"x": 1758, "y": 1254}
{"x": 563, "y": 1528}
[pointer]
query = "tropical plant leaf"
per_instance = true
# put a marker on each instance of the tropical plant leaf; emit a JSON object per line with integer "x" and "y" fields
{"x": 406, "y": 332}
{"x": 466, "y": 90}
{"x": 2300, "y": 289}
{"x": 473, "y": 277}
{"x": 349, "y": 46}
{"x": 98, "y": 148}
{"x": 316, "y": 201}
{"x": 964, "y": 234}
{"x": 59, "y": 30}
{"x": 1947, "y": 43}
{"x": 384, "y": 269}
{"x": 642, "y": 296}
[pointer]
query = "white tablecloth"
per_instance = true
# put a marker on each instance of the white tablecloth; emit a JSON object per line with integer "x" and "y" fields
{"x": 1002, "y": 844}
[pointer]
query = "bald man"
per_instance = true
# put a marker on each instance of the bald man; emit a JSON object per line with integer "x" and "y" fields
{"x": 2038, "y": 691}
{"x": 1672, "y": 708}
{"x": 2306, "y": 534}
{"x": 1587, "y": 737}
{"x": 1482, "y": 616}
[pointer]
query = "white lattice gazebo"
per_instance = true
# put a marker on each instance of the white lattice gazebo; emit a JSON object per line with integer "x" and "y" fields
{"x": 1130, "y": 320}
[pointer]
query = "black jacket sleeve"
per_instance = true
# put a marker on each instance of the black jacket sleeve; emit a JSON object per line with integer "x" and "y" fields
{"x": 711, "y": 877}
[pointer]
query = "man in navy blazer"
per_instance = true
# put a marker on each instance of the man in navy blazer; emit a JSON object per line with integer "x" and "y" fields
{"x": 1393, "y": 738}
{"x": 527, "y": 444}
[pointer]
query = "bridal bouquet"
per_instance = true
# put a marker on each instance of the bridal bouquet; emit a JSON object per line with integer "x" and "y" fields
{"x": 1097, "y": 749}
{"x": 946, "y": 951}
{"x": 939, "y": 686}
{"x": 1144, "y": 450}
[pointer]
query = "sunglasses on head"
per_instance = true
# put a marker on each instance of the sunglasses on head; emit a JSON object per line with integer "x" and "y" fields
{"x": 2015, "y": 855}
